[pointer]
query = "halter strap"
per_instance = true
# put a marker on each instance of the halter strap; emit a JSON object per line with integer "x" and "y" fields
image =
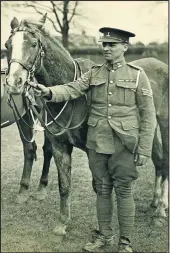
{"x": 26, "y": 66}
{"x": 22, "y": 28}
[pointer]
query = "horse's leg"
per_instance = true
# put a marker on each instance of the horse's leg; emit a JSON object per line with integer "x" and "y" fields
{"x": 163, "y": 200}
{"x": 62, "y": 157}
{"x": 47, "y": 150}
{"x": 29, "y": 156}
{"x": 157, "y": 155}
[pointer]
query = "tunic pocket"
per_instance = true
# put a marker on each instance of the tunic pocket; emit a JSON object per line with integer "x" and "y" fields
{"x": 98, "y": 89}
{"x": 131, "y": 134}
{"x": 92, "y": 121}
{"x": 126, "y": 92}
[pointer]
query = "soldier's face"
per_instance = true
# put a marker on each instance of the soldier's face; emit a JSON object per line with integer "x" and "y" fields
{"x": 113, "y": 51}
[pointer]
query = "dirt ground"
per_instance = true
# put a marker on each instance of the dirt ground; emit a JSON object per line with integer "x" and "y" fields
{"x": 28, "y": 227}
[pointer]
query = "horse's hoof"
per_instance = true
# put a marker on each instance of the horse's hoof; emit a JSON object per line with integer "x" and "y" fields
{"x": 41, "y": 194}
{"x": 60, "y": 230}
{"x": 22, "y": 198}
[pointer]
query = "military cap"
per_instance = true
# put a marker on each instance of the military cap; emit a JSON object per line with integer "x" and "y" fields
{"x": 114, "y": 35}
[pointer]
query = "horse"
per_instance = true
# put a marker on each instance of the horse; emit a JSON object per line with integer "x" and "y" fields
{"x": 157, "y": 73}
{"x": 63, "y": 130}
{"x": 27, "y": 126}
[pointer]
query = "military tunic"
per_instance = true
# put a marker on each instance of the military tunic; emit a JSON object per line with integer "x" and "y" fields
{"x": 122, "y": 103}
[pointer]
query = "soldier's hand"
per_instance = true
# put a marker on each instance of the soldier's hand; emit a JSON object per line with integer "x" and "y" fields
{"x": 140, "y": 159}
{"x": 39, "y": 89}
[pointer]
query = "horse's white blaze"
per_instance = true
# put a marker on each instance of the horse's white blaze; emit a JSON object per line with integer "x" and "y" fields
{"x": 17, "y": 52}
{"x": 17, "y": 43}
{"x": 13, "y": 68}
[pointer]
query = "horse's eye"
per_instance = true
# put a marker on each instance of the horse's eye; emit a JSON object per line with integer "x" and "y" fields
{"x": 34, "y": 44}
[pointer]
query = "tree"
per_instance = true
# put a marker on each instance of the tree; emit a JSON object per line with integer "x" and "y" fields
{"x": 59, "y": 13}
{"x": 139, "y": 44}
{"x": 153, "y": 44}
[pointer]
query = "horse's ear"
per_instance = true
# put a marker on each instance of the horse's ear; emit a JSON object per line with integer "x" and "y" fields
{"x": 42, "y": 20}
{"x": 14, "y": 23}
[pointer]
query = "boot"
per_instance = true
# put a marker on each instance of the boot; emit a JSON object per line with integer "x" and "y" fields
{"x": 124, "y": 245}
{"x": 98, "y": 242}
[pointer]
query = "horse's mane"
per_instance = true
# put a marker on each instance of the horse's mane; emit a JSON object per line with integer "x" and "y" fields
{"x": 33, "y": 24}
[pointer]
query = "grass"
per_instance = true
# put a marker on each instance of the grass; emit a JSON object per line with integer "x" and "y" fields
{"x": 28, "y": 227}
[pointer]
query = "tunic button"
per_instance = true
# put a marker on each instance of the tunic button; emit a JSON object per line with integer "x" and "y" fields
{"x": 113, "y": 70}
{"x": 109, "y": 117}
{"x": 110, "y": 93}
{"x": 109, "y": 105}
{"x": 111, "y": 81}
{"x": 133, "y": 126}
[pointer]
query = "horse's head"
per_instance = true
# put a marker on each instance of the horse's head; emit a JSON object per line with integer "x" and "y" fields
{"x": 24, "y": 53}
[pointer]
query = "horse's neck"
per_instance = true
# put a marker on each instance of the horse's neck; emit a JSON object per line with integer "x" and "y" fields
{"x": 58, "y": 67}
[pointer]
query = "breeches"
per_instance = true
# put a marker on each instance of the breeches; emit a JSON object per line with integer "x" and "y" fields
{"x": 110, "y": 170}
{"x": 117, "y": 170}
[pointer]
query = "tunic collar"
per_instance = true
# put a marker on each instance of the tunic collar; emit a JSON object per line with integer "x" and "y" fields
{"x": 115, "y": 65}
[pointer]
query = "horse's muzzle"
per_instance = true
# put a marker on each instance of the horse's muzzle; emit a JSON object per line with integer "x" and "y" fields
{"x": 14, "y": 85}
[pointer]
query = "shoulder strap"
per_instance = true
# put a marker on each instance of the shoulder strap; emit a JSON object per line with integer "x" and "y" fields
{"x": 98, "y": 65}
{"x": 134, "y": 66}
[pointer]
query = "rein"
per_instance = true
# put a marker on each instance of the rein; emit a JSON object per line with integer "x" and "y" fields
{"x": 31, "y": 73}
{"x": 15, "y": 112}
{"x": 45, "y": 125}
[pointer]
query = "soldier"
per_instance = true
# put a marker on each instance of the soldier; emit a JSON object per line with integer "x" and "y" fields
{"x": 121, "y": 128}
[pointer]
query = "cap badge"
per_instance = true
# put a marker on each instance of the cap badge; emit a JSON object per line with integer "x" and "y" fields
{"x": 108, "y": 34}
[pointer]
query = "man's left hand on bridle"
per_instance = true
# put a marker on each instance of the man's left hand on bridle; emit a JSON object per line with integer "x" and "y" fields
{"x": 39, "y": 89}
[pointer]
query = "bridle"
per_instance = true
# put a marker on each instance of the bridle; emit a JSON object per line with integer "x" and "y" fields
{"x": 31, "y": 68}
{"x": 32, "y": 71}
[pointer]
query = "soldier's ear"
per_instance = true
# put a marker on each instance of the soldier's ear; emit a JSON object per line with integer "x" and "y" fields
{"x": 125, "y": 47}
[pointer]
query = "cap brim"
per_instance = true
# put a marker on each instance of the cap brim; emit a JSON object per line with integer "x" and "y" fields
{"x": 107, "y": 39}
{"x": 109, "y": 29}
